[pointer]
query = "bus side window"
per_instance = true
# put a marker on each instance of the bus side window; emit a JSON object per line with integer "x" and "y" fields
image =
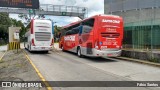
{"x": 80, "y": 29}
{"x": 67, "y": 33}
{"x": 88, "y": 25}
{"x": 75, "y": 30}
{"x": 72, "y": 30}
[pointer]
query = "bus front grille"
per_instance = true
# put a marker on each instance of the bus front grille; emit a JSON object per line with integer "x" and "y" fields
{"x": 42, "y": 36}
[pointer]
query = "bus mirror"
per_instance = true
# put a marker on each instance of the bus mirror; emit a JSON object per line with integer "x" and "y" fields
{"x": 80, "y": 29}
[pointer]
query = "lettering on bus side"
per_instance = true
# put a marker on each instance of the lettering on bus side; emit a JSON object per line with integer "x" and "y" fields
{"x": 111, "y": 21}
{"x": 69, "y": 38}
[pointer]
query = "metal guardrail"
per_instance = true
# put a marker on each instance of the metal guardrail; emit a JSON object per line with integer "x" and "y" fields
{"x": 48, "y": 9}
{"x": 62, "y": 8}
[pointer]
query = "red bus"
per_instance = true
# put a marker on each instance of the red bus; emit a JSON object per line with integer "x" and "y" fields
{"x": 100, "y": 35}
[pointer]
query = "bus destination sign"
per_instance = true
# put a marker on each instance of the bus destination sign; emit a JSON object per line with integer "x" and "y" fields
{"x": 32, "y": 4}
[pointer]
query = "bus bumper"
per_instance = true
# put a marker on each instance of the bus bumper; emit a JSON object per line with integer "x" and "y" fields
{"x": 39, "y": 48}
{"x": 105, "y": 53}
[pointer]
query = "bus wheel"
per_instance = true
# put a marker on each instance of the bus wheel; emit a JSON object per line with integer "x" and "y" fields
{"x": 46, "y": 52}
{"x": 28, "y": 47}
{"x": 79, "y": 53}
{"x": 63, "y": 49}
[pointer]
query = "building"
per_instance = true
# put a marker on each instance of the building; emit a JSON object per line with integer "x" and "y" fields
{"x": 142, "y": 22}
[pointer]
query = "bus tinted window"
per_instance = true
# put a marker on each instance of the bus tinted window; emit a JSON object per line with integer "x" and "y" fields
{"x": 88, "y": 25}
{"x": 62, "y": 33}
{"x": 73, "y": 31}
{"x": 70, "y": 30}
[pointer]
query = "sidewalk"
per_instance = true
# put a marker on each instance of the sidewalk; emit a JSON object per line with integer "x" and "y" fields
{"x": 3, "y": 48}
{"x": 1, "y": 53}
{"x": 56, "y": 46}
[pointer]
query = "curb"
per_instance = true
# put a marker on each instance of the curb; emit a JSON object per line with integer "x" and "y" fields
{"x": 3, "y": 55}
{"x": 139, "y": 61}
{"x": 38, "y": 72}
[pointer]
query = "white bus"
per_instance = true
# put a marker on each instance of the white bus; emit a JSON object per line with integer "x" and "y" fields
{"x": 39, "y": 36}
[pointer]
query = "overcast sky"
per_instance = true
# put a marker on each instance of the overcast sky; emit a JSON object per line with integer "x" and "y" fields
{"x": 94, "y": 7}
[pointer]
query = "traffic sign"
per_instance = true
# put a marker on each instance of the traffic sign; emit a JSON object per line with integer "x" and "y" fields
{"x": 33, "y": 4}
{"x": 31, "y": 11}
{"x": 64, "y": 13}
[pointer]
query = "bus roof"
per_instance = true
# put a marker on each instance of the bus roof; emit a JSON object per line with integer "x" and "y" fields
{"x": 73, "y": 23}
{"x": 99, "y": 15}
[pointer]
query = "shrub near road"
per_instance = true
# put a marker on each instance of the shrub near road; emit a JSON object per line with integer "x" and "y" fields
{"x": 15, "y": 67}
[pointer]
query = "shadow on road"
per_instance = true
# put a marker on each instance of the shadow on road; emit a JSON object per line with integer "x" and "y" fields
{"x": 94, "y": 59}
{"x": 38, "y": 52}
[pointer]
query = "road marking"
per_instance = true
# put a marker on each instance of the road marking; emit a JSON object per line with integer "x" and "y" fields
{"x": 93, "y": 67}
{"x": 3, "y": 56}
{"x": 38, "y": 72}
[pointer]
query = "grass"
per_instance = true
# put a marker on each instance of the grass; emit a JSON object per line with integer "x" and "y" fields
{"x": 5, "y": 66}
{"x": 18, "y": 65}
{"x": 3, "y": 44}
{"x": 155, "y": 60}
{"x": 1, "y": 61}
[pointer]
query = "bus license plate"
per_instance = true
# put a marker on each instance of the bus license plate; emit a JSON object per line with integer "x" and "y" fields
{"x": 109, "y": 54}
{"x": 112, "y": 54}
{"x": 43, "y": 47}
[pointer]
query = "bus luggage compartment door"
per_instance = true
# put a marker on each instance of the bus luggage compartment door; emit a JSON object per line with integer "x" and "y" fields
{"x": 89, "y": 48}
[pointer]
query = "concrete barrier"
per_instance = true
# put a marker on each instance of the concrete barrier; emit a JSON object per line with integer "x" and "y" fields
{"x": 142, "y": 55}
{"x": 14, "y": 45}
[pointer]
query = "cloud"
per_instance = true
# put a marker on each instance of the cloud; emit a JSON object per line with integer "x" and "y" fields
{"x": 54, "y": 2}
{"x": 94, "y": 6}
{"x": 63, "y": 20}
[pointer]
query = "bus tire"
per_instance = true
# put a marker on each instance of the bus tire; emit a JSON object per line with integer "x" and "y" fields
{"x": 62, "y": 49}
{"x": 79, "y": 52}
{"x": 46, "y": 52}
{"x": 28, "y": 47}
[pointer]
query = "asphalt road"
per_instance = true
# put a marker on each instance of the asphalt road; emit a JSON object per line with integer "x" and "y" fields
{"x": 65, "y": 66}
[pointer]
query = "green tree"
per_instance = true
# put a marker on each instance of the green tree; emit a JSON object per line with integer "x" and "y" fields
{"x": 56, "y": 32}
{"x": 19, "y": 24}
{"x": 5, "y": 22}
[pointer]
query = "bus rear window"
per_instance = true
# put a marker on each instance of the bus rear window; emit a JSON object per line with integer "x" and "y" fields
{"x": 88, "y": 25}
{"x": 110, "y": 35}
